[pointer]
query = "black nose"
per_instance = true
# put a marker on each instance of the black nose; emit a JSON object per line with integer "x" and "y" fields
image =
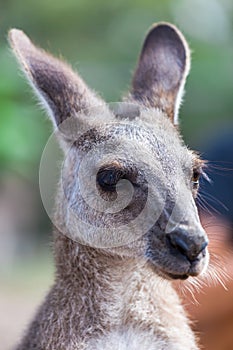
{"x": 184, "y": 243}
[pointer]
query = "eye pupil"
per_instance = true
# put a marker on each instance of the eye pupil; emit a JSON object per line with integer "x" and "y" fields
{"x": 107, "y": 179}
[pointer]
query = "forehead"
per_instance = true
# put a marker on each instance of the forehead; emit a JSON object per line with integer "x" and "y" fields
{"x": 148, "y": 138}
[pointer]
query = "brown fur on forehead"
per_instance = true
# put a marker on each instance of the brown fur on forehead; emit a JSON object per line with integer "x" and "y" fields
{"x": 116, "y": 164}
{"x": 91, "y": 138}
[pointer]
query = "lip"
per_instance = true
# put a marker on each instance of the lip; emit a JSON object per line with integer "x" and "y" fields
{"x": 177, "y": 267}
{"x": 177, "y": 277}
{"x": 193, "y": 271}
{"x": 170, "y": 275}
{"x": 184, "y": 273}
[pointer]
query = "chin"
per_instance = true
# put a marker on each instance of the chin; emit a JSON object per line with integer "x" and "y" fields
{"x": 179, "y": 270}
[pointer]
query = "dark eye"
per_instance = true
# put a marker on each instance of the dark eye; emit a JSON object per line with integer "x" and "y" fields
{"x": 195, "y": 178}
{"x": 108, "y": 178}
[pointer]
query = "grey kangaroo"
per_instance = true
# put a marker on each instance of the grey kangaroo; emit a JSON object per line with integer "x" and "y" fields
{"x": 119, "y": 295}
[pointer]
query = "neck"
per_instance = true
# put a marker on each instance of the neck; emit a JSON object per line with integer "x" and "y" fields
{"x": 118, "y": 291}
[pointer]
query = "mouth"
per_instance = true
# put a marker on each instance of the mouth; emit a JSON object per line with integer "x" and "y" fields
{"x": 179, "y": 255}
{"x": 166, "y": 274}
{"x": 177, "y": 277}
{"x": 193, "y": 271}
{"x": 179, "y": 269}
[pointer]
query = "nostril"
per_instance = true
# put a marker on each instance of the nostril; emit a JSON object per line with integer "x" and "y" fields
{"x": 185, "y": 245}
{"x": 178, "y": 243}
{"x": 204, "y": 245}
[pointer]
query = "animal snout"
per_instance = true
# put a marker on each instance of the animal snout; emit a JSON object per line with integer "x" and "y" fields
{"x": 181, "y": 242}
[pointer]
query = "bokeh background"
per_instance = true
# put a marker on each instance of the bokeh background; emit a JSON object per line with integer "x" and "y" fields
{"x": 102, "y": 40}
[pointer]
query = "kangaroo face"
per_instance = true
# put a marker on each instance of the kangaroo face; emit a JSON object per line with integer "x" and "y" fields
{"x": 128, "y": 182}
{"x": 136, "y": 188}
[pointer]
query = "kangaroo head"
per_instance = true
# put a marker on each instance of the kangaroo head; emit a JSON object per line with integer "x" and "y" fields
{"x": 128, "y": 182}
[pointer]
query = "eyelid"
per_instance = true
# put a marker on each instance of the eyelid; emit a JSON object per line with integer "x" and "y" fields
{"x": 110, "y": 171}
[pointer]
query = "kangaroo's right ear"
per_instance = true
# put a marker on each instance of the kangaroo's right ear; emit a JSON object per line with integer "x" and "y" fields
{"x": 62, "y": 91}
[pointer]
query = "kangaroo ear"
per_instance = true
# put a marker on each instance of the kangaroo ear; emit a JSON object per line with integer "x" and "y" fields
{"x": 61, "y": 90}
{"x": 162, "y": 70}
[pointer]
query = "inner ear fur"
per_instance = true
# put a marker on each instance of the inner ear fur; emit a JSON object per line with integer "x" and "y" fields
{"x": 162, "y": 69}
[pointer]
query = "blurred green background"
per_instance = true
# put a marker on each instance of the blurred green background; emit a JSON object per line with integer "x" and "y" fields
{"x": 102, "y": 40}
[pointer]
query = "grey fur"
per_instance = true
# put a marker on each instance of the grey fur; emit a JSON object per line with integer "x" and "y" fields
{"x": 120, "y": 296}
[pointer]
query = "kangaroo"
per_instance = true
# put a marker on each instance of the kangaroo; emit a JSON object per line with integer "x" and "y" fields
{"x": 115, "y": 264}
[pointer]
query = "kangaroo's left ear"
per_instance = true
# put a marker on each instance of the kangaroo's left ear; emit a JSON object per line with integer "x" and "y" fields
{"x": 162, "y": 69}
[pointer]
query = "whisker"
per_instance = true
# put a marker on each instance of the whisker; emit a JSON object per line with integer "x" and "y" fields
{"x": 216, "y": 274}
{"x": 214, "y": 199}
{"x": 224, "y": 167}
{"x": 188, "y": 287}
{"x": 208, "y": 206}
{"x": 202, "y": 204}
{"x": 216, "y": 225}
{"x": 206, "y": 177}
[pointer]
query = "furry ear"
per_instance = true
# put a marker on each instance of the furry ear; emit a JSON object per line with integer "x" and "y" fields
{"x": 162, "y": 69}
{"x": 61, "y": 91}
